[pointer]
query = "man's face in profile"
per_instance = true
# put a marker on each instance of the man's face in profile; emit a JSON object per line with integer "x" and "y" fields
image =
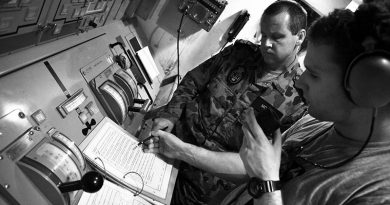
{"x": 322, "y": 85}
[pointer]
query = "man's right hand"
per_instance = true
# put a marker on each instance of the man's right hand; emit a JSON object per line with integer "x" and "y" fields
{"x": 162, "y": 124}
{"x": 166, "y": 144}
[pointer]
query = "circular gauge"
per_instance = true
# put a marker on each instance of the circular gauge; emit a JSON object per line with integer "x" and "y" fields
{"x": 128, "y": 84}
{"x": 115, "y": 100}
{"x": 58, "y": 161}
{"x": 71, "y": 146}
{"x": 47, "y": 166}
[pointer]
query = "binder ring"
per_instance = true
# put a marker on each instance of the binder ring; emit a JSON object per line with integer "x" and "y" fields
{"x": 142, "y": 180}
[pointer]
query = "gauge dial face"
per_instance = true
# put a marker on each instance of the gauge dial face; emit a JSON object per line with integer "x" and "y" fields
{"x": 74, "y": 102}
{"x": 116, "y": 95}
{"x": 71, "y": 145}
{"x": 58, "y": 161}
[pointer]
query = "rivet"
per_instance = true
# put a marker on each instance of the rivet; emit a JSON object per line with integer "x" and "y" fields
{"x": 6, "y": 186}
{"x": 21, "y": 115}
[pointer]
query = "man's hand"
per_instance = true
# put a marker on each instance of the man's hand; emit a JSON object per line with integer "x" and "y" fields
{"x": 261, "y": 157}
{"x": 164, "y": 143}
{"x": 162, "y": 124}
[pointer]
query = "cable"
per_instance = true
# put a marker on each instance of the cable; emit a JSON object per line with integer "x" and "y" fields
{"x": 177, "y": 49}
{"x": 178, "y": 52}
{"x": 373, "y": 117}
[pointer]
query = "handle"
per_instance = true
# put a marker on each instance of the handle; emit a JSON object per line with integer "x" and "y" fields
{"x": 143, "y": 109}
{"x": 91, "y": 182}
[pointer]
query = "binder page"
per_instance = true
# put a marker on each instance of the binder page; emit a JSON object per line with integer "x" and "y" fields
{"x": 114, "y": 150}
{"x": 111, "y": 194}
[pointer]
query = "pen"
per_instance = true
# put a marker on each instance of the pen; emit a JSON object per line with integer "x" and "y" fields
{"x": 143, "y": 141}
{"x": 148, "y": 138}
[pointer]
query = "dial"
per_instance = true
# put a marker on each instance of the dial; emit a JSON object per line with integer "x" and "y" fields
{"x": 58, "y": 162}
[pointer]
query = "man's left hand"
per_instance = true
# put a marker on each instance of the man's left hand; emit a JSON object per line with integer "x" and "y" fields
{"x": 261, "y": 157}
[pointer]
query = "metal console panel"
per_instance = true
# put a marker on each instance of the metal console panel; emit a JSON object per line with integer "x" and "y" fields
{"x": 47, "y": 109}
{"x": 28, "y": 23}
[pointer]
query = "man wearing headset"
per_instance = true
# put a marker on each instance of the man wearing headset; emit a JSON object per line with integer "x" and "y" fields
{"x": 342, "y": 155}
{"x": 212, "y": 96}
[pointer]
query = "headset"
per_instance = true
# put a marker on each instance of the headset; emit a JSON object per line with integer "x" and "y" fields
{"x": 367, "y": 83}
{"x": 367, "y": 79}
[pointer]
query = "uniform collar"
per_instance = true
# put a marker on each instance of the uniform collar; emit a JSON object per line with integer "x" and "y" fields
{"x": 257, "y": 80}
{"x": 289, "y": 67}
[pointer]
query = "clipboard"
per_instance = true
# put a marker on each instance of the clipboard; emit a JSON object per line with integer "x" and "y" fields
{"x": 95, "y": 146}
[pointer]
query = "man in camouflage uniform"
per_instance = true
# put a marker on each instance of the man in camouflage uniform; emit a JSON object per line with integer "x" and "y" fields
{"x": 210, "y": 98}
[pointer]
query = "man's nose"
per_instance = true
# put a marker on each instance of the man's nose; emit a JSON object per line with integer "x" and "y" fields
{"x": 268, "y": 43}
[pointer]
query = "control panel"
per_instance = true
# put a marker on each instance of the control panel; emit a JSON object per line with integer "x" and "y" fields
{"x": 65, "y": 66}
{"x": 49, "y": 107}
{"x": 90, "y": 14}
{"x": 25, "y": 23}
{"x": 115, "y": 87}
{"x": 203, "y": 12}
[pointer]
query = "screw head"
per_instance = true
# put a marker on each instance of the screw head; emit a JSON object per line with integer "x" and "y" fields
{"x": 21, "y": 115}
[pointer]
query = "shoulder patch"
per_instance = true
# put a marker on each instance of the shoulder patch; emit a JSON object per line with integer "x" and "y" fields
{"x": 247, "y": 44}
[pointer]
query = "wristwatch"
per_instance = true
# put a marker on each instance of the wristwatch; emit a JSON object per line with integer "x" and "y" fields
{"x": 257, "y": 187}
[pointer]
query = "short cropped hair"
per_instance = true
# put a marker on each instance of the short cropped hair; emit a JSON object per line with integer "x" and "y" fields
{"x": 298, "y": 15}
{"x": 333, "y": 30}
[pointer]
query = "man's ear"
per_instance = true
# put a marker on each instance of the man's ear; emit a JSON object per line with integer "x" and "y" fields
{"x": 301, "y": 37}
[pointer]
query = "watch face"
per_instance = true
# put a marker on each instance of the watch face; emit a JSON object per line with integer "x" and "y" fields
{"x": 255, "y": 188}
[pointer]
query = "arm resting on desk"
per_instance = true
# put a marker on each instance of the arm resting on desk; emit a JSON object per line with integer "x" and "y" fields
{"x": 227, "y": 165}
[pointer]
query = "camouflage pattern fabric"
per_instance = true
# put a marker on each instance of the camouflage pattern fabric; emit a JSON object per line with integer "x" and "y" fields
{"x": 206, "y": 105}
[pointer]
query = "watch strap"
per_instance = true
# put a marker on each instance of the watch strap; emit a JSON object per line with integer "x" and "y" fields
{"x": 257, "y": 187}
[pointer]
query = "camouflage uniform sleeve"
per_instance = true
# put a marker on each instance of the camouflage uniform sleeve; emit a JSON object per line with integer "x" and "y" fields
{"x": 193, "y": 83}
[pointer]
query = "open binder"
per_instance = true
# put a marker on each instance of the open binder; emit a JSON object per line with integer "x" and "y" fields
{"x": 115, "y": 153}
{"x": 111, "y": 193}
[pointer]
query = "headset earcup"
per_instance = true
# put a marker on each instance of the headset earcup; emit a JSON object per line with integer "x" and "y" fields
{"x": 368, "y": 80}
